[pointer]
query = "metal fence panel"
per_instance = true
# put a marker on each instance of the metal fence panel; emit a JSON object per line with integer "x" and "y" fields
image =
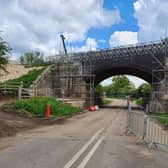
{"x": 147, "y": 128}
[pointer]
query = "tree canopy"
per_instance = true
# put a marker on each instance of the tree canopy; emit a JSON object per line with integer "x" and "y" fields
{"x": 121, "y": 85}
{"x": 4, "y": 51}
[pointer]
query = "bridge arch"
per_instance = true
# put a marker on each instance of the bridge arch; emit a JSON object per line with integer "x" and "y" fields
{"x": 100, "y": 76}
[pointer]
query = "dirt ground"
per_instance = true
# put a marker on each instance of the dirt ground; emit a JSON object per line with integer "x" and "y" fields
{"x": 11, "y": 122}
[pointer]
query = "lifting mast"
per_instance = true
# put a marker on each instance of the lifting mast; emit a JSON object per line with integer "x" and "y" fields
{"x": 63, "y": 42}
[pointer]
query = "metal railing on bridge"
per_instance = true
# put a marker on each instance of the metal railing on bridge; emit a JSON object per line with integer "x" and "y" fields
{"x": 124, "y": 52}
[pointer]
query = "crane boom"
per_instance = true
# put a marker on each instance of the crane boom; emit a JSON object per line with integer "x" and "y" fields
{"x": 63, "y": 42}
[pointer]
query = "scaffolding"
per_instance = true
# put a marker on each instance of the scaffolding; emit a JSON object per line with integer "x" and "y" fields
{"x": 159, "y": 78}
{"x": 74, "y": 80}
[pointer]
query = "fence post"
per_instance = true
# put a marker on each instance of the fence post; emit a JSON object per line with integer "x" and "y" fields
{"x": 129, "y": 116}
{"x": 20, "y": 90}
{"x": 5, "y": 88}
{"x": 145, "y": 127}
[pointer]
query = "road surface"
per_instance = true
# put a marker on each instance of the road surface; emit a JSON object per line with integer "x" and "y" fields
{"x": 91, "y": 140}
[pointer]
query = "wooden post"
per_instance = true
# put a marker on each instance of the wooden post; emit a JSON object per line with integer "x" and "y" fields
{"x": 20, "y": 90}
{"x": 5, "y": 88}
{"x": 35, "y": 89}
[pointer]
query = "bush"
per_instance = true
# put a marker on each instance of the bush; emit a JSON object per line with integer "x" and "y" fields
{"x": 140, "y": 102}
{"x": 37, "y": 107}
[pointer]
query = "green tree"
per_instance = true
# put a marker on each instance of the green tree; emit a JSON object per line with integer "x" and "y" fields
{"x": 4, "y": 51}
{"x": 143, "y": 90}
{"x": 100, "y": 89}
{"x": 32, "y": 58}
{"x": 22, "y": 60}
{"x": 142, "y": 94}
{"x": 120, "y": 86}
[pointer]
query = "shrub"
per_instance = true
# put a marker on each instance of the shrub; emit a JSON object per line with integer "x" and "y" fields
{"x": 140, "y": 102}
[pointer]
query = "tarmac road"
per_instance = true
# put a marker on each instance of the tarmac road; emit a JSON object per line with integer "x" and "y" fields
{"x": 90, "y": 140}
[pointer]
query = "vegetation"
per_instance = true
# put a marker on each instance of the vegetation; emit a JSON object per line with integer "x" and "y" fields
{"x": 106, "y": 102}
{"x": 4, "y": 51}
{"x": 32, "y": 59}
{"x": 142, "y": 94}
{"x": 28, "y": 78}
{"x": 100, "y": 89}
{"x": 163, "y": 118}
{"x": 140, "y": 102}
{"x": 37, "y": 106}
{"x": 120, "y": 86}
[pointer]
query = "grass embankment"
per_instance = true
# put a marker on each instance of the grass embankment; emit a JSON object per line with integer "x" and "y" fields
{"x": 12, "y": 85}
{"x": 36, "y": 107}
{"x": 28, "y": 78}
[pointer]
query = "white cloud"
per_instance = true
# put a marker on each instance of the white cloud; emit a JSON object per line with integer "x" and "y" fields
{"x": 107, "y": 81}
{"x": 152, "y": 19}
{"x": 120, "y": 38}
{"x": 36, "y": 25}
{"x": 135, "y": 80}
{"x": 91, "y": 45}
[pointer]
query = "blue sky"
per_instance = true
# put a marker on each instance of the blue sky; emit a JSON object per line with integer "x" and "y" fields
{"x": 36, "y": 25}
{"x": 128, "y": 23}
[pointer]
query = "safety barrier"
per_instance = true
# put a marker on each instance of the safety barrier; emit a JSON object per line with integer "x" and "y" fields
{"x": 148, "y": 128}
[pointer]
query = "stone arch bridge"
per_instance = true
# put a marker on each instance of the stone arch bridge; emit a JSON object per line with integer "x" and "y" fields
{"x": 138, "y": 60}
{"x": 147, "y": 61}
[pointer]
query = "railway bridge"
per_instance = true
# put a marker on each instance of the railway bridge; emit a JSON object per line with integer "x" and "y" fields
{"x": 145, "y": 60}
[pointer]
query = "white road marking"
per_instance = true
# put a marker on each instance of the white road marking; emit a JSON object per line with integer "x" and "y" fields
{"x": 83, "y": 149}
{"x": 92, "y": 151}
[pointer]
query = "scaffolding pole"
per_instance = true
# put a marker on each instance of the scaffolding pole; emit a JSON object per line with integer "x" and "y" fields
{"x": 159, "y": 80}
{"x": 73, "y": 80}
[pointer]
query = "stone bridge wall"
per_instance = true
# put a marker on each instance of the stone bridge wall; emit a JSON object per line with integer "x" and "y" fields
{"x": 62, "y": 80}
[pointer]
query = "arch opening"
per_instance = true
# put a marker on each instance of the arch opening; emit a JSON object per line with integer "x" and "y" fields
{"x": 116, "y": 89}
{"x": 139, "y": 73}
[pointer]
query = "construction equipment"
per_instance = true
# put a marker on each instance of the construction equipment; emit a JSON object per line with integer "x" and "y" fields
{"x": 63, "y": 42}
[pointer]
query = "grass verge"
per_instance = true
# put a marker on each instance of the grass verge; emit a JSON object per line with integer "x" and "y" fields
{"x": 37, "y": 106}
{"x": 106, "y": 102}
{"x": 163, "y": 118}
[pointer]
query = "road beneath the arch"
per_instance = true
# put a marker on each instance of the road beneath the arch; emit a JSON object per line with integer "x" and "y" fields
{"x": 91, "y": 140}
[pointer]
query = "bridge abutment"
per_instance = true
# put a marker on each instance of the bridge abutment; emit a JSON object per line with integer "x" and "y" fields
{"x": 65, "y": 81}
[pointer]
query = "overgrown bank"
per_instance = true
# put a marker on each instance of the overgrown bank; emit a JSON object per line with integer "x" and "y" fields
{"x": 10, "y": 87}
{"x": 28, "y": 78}
{"x": 36, "y": 107}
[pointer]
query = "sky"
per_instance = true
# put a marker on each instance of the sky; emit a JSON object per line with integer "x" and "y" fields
{"x": 36, "y": 25}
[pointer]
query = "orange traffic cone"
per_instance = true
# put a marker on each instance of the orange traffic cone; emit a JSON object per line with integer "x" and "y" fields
{"x": 48, "y": 111}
